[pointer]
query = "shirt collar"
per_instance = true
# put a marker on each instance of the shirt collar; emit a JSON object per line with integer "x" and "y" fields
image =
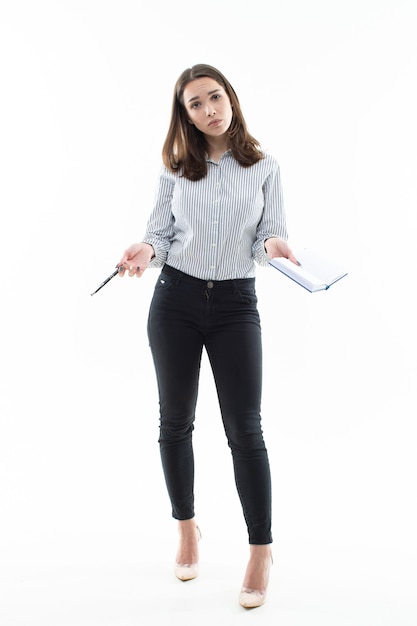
{"x": 225, "y": 154}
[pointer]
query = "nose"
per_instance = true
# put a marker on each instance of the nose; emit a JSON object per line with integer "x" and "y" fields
{"x": 210, "y": 111}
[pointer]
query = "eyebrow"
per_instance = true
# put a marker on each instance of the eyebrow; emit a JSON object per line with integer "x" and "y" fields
{"x": 209, "y": 93}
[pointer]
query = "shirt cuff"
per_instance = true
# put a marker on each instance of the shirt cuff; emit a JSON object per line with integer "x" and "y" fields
{"x": 160, "y": 254}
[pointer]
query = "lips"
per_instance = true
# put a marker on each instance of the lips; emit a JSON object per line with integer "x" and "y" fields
{"x": 215, "y": 122}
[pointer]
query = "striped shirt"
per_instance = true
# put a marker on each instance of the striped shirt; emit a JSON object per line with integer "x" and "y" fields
{"x": 215, "y": 228}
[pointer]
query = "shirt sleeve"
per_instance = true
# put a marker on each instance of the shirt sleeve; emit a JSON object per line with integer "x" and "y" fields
{"x": 273, "y": 221}
{"x": 159, "y": 229}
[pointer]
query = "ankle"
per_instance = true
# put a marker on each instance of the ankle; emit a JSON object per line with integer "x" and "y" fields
{"x": 257, "y": 571}
{"x": 187, "y": 527}
{"x": 260, "y": 551}
{"x": 189, "y": 536}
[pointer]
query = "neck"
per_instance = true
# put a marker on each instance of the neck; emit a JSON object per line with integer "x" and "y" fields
{"x": 215, "y": 148}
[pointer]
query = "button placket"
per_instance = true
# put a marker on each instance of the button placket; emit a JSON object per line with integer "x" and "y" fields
{"x": 214, "y": 233}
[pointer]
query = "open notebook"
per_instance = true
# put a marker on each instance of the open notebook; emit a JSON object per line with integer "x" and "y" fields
{"x": 314, "y": 273}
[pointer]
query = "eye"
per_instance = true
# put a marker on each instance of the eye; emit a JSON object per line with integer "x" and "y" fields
{"x": 216, "y": 96}
{"x": 195, "y": 105}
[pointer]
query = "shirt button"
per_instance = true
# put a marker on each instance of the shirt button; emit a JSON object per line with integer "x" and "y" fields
{"x": 210, "y": 284}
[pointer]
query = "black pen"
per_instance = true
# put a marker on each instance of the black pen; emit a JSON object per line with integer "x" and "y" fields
{"x": 106, "y": 281}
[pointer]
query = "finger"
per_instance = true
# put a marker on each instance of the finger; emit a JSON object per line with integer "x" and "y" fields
{"x": 132, "y": 270}
{"x": 293, "y": 259}
{"x": 122, "y": 270}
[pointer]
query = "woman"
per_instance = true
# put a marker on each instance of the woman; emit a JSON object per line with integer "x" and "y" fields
{"x": 218, "y": 209}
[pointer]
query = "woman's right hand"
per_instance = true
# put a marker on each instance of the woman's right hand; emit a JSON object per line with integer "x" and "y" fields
{"x": 136, "y": 259}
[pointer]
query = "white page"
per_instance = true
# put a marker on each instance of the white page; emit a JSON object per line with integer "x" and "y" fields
{"x": 322, "y": 269}
{"x": 297, "y": 272}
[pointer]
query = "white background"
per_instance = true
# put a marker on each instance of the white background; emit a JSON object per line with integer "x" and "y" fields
{"x": 86, "y": 538}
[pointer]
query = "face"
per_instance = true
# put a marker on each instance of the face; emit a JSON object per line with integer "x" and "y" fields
{"x": 208, "y": 106}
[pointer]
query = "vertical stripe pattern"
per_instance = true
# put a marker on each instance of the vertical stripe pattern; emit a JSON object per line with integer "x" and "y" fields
{"x": 215, "y": 228}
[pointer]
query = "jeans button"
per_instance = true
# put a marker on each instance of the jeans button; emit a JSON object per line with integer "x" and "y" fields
{"x": 210, "y": 284}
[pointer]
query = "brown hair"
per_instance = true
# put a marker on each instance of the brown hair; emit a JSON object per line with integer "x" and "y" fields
{"x": 185, "y": 147}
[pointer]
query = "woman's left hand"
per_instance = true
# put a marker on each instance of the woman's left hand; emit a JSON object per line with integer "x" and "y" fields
{"x": 276, "y": 247}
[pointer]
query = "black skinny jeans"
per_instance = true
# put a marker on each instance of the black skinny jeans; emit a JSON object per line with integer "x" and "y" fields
{"x": 186, "y": 314}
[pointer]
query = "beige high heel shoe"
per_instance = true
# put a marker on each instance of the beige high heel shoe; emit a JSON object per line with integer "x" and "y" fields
{"x": 252, "y": 598}
{"x": 188, "y": 571}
